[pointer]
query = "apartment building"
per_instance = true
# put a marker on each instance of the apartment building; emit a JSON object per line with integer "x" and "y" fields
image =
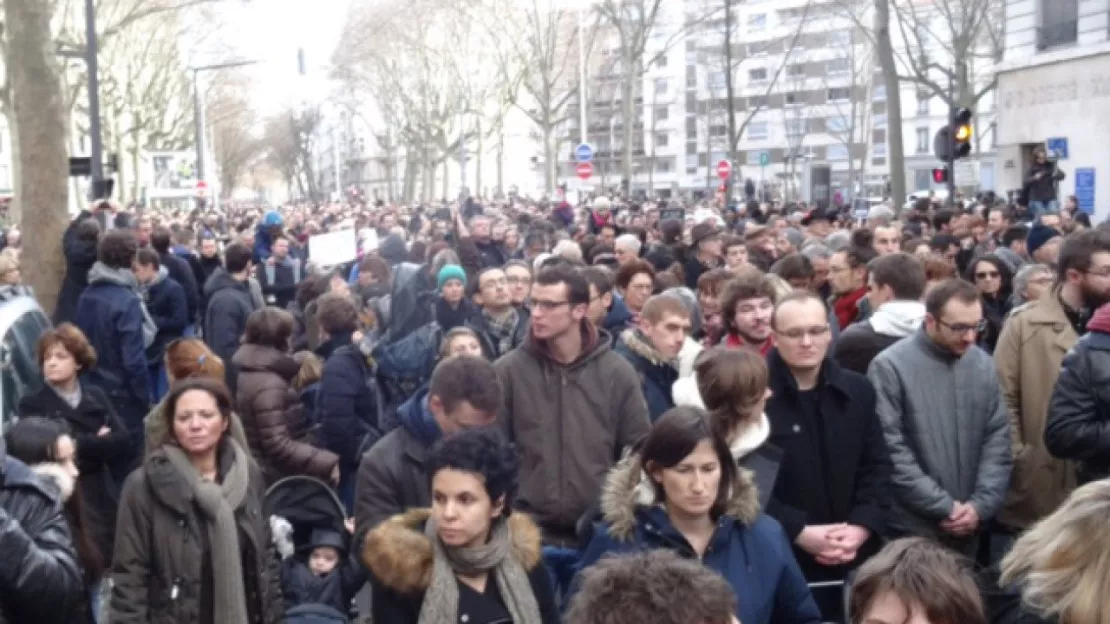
{"x": 806, "y": 89}
{"x": 1053, "y": 87}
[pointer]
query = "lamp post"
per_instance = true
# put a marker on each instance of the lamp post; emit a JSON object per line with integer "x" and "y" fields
{"x": 198, "y": 107}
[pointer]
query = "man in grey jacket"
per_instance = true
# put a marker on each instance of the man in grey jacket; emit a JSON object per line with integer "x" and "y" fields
{"x": 945, "y": 423}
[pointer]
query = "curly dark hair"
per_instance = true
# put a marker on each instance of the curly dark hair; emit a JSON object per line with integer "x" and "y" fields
{"x": 117, "y": 249}
{"x": 482, "y": 451}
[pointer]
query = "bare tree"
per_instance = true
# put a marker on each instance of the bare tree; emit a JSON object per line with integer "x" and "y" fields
{"x": 231, "y": 117}
{"x": 853, "y": 73}
{"x": 39, "y": 138}
{"x": 635, "y": 23}
{"x": 287, "y": 140}
{"x": 884, "y": 48}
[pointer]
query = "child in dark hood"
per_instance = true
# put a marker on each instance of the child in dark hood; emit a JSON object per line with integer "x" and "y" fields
{"x": 322, "y": 573}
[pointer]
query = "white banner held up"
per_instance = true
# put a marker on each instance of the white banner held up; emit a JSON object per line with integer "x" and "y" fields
{"x": 333, "y": 248}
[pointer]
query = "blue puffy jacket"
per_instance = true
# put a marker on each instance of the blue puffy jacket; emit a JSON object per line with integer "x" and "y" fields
{"x": 749, "y": 548}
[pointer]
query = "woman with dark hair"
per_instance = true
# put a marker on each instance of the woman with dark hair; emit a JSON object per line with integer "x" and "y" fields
{"x": 50, "y": 452}
{"x": 79, "y": 246}
{"x": 104, "y": 450}
{"x": 192, "y": 544}
{"x": 270, "y": 406}
{"x": 993, "y": 278}
{"x": 469, "y": 558}
{"x": 683, "y": 491}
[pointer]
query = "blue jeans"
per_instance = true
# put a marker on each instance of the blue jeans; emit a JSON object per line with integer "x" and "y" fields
{"x": 157, "y": 382}
{"x": 562, "y": 563}
{"x": 1038, "y": 208}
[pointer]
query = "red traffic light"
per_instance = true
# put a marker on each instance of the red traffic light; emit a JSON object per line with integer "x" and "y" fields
{"x": 940, "y": 175}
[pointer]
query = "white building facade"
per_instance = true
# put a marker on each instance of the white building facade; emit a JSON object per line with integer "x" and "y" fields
{"x": 1053, "y": 90}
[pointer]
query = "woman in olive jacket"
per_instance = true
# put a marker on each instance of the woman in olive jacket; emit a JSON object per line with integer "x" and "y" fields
{"x": 270, "y": 407}
{"x": 192, "y": 545}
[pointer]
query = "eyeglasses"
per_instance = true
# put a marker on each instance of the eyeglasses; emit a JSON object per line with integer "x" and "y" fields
{"x": 797, "y": 333}
{"x": 987, "y": 275}
{"x": 547, "y": 306}
{"x": 516, "y": 281}
{"x": 1101, "y": 272}
{"x": 960, "y": 328}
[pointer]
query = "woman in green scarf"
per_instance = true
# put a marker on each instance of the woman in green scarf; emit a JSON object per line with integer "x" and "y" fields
{"x": 469, "y": 558}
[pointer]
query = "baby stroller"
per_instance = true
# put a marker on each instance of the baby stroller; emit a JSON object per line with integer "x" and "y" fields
{"x": 305, "y": 514}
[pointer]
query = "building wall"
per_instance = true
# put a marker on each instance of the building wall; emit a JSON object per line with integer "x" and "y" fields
{"x": 1054, "y": 82}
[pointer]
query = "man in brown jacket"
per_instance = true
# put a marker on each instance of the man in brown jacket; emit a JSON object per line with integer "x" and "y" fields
{"x": 572, "y": 406}
{"x": 1028, "y": 357}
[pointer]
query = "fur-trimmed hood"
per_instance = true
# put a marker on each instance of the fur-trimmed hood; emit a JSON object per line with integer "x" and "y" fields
{"x": 638, "y": 344}
{"x": 628, "y": 487}
{"x": 400, "y": 556}
{"x": 56, "y": 477}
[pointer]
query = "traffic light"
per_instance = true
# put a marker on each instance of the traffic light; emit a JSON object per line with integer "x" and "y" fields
{"x": 940, "y": 175}
{"x": 961, "y": 133}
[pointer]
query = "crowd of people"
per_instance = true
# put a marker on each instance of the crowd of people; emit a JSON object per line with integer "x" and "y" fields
{"x": 535, "y": 412}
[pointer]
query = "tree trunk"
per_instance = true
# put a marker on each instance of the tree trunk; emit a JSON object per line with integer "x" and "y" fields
{"x": 136, "y": 164}
{"x": 479, "y": 151}
{"x": 549, "y": 159}
{"x": 895, "y": 153}
{"x": 628, "y": 118}
{"x": 501, "y": 161}
{"x": 39, "y": 117}
{"x": 446, "y": 186}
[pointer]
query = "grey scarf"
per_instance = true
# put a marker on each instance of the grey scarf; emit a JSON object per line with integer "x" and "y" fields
{"x": 101, "y": 272}
{"x": 441, "y": 601}
{"x": 217, "y": 503}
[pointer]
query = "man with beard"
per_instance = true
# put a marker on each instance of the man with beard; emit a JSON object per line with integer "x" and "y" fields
{"x": 1028, "y": 356}
{"x": 747, "y": 304}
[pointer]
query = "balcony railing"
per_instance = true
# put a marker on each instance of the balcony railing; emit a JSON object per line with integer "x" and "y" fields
{"x": 1059, "y": 34}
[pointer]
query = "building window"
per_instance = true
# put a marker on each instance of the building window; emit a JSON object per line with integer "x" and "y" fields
{"x": 922, "y": 179}
{"x": 922, "y": 140}
{"x": 757, "y": 21}
{"x": 758, "y": 130}
{"x": 691, "y": 148}
{"x": 796, "y": 70}
{"x": 660, "y": 86}
{"x": 836, "y": 152}
{"x": 879, "y": 94}
{"x": 879, "y": 120}
{"x": 662, "y": 139}
{"x": 837, "y": 94}
{"x": 661, "y": 61}
{"x": 758, "y": 74}
{"x": 691, "y": 77}
{"x": 662, "y": 113}
{"x": 717, "y": 131}
{"x": 791, "y": 98}
{"x": 757, "y": 101}
{"x": 692, "y": 126}
{"x": 922, "y": 102}
{"x": 692, "y": 162}
{"x": 757, "y": 49}
{"x": 837, "y": 124}
{"x": 716, "y": 80}
{"x": 691, "y": 45}
{"x": 878, "y": 150}
{"x": 839, "y": 65}
{"x": 664, "y": 165}
{"x": 795, "y": 127}
{"x": 878, "y": 161}
{"x": 1059, "y": 25}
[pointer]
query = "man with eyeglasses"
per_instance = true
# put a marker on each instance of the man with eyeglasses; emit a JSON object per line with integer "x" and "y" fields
{"x": 830, "y": 490}
{"x": 501, "y": 326}
{"x": 1029, "y": 356}
{"x": 571, "y": 406}
{"x": 945, "y": 423}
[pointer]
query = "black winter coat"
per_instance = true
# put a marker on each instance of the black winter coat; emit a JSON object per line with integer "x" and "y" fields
{"x": 858, "y": 345}
{"x": 102, "y": 460}
{"x": 229, "y": 306}
{"x": 40, "y": 579}
{"x": 347, "y": 404}
{"x": 182, "y": 273}
{"x": 299, "y": 586}
{"x": 80, "y": 256}
{"x": 1078, "y": 425}
{"x": 167, "y": 303}
{"x": 838, "y": 473}
{"x": 657, "y": 376}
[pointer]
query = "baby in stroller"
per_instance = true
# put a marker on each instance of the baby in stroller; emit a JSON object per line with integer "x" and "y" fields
{"x": 319, "y": 574}
{"x": 322, "y": 573}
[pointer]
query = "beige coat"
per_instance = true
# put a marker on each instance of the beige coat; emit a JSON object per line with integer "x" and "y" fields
{"x": 1028, "y": 357}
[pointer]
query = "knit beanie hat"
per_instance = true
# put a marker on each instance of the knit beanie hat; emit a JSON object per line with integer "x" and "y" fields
{"x": 450, "y": 272}
{"x": 1038, "y": 236}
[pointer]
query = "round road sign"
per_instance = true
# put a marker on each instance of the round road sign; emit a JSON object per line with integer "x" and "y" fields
{"x": 724, "y": 169}
{"x": 584, "y": 170}
{"x": 584, "y": 152}
{"x": 202, "y": 188}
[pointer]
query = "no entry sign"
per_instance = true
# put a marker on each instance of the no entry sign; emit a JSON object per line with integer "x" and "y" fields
{"x": 584, "y": 170}
{"x": 724, "y": 169}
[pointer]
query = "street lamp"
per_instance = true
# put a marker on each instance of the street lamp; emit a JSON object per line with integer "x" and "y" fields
{"x": 198, "y": 106}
